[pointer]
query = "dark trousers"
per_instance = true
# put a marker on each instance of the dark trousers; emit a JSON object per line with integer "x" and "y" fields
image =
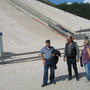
{"x": 48, "y": 65}
{"x": 72, "y": 62}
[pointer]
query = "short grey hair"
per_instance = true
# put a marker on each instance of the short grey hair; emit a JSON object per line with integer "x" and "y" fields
{"x": 87, "y": 42}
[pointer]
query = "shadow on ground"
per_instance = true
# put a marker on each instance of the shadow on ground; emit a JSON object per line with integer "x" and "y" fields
{"x": 64, "y": 77}
{"x": 9, "y": 58}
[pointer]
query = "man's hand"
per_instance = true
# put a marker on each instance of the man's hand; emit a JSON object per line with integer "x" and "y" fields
{"x": 64, "y": 59}
{"x": 42, "y": 59}
{"x": 44, "y": 62}
{"x": 77, "y": 60}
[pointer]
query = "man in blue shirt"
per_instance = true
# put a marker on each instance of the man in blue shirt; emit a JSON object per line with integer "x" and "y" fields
{"x": 46, "y": 56}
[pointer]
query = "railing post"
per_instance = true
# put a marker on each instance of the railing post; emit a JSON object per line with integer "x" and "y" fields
{"x": 1, "y": 48}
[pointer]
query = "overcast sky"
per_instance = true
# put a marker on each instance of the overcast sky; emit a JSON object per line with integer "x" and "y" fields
{"x": 68, "y": 1}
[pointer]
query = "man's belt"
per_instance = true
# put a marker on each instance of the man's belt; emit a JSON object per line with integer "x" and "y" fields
{"x": 48, "y": 59}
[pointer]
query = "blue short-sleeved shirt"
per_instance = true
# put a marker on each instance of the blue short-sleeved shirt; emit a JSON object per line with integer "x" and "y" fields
{"x": 47, "y": 53}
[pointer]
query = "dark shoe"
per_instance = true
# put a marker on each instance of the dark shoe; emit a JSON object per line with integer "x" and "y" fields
{"x": 77, "y": 79}
{"x": 53, "y": 82}
{"x": 70, "y": 78}
{"x": 43, "y": 85}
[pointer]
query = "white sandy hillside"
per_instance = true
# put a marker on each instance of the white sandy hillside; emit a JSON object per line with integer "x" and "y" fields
{"x": 22, "y": 33}
{"x": 68, "y": 20}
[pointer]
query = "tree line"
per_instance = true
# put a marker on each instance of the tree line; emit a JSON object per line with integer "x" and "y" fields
{"x": 80, "y": 9}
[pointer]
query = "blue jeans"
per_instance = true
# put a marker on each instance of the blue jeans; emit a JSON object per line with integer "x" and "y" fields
{"x": 87, "y": 67}
{"x": 46, "y": 67}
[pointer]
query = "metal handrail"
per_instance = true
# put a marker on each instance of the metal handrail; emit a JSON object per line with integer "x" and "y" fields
{"x": 34, "y": 57}
{"x": 35, "y": 52}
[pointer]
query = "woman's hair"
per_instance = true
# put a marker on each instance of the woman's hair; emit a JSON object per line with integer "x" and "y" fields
{"x": 87, "y": 42}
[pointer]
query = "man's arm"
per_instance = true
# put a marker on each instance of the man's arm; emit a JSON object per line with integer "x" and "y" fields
{"x": 77, "y": 50}
{"x": 65, "y": 54}
{"x": 41, "y": 55}
{"x": 88, "y": 51}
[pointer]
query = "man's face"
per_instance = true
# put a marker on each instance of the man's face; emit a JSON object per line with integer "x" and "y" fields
{"x": 68, "y": 39}
{"x": 48, "y": 44}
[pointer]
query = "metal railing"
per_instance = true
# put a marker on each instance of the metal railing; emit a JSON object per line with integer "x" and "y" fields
{"x": 83, "y": 33}
{"x": 30, "y": 53}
